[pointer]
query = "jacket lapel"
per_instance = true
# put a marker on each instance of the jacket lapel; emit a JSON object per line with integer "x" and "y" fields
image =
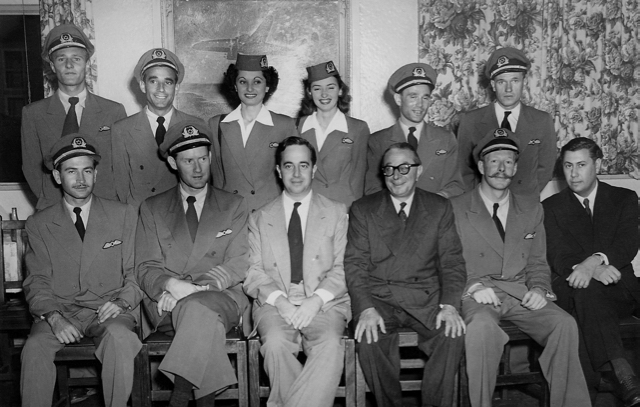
{"x": 91, "y": 116}
{"x": 258, "y": 142}
{"x": 176, "y": 221}
{"x": 314, "y": 228}
{"x": 525, "y": 122}
{"x": 427, "y": 147}
{"x": 574, "y": 214}
{"x": 604, "y": 214}
{"x": 94, "y": 236}
{"x": 388, "y": 225}
{"x": 481, "y": 220}
{"x": 514, "y": 230}
{"x": 416, "y": 226}
{"x": 64, "y": 232}
{"x": 278, "y": 241}
{"x": 310, "y": 136}
{"x": 208, "y": 227}
{"x": 232, "y": 136}
{"x": 55, "y": 113}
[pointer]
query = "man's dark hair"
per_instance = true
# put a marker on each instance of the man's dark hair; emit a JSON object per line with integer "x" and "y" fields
{"x": 402, "y": 146}
{"x": 580, "y": 143}
{"x": 294, "y": 141}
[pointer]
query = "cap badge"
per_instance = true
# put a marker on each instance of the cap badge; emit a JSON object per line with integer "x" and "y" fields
{"x": 190, "y": 131}
{"x": 159, "y": 54}
{"x": 500, "y": 133}
{"x": 78, "y": 142}
{"x": 503, "y": 60}
{"x": 66, "y": 37}
{"x": 263, "y": 62}
{"x": 331, "y": 68}
{"x": 419, "y": 72}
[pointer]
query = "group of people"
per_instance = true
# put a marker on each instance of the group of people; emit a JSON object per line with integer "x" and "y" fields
{"x": 294, "y": 227}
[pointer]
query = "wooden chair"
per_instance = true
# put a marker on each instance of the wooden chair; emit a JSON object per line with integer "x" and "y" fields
{"x": 157, "y": 345}
{"x": 260, "y": 389}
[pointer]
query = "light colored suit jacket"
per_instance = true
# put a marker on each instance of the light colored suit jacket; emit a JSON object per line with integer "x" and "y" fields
{"x": 42, "y": 124}
{"x": 516, "y": 265}
{"x": 538, "y": 147}
{"x": 164, "y": 248}
{"x": 324, "y": 244}
{"x": 437, "y": 149}
{"x": 250, "y": 170}
{"x": 139, "y": 171}
{"x": 342, "y": 161}
{"x": 63, "y": 270}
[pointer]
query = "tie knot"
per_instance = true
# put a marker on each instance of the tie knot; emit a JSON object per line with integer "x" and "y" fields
{"x": 77, "y": 210}
{"x": 296, "y": 205}
{"x": 160, "y": 120}
{"x": 402, "y": 205}
{"x": 191, "y": 199}
{"x": 73, "y": 100}
{"x": 586, "y": 202}
{"x": 495, "y": 207}
{"x": 412, "y": 130}
{"x": 507, "y": 113}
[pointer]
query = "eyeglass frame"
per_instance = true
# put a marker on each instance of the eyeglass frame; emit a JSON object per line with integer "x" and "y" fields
{"x": 397, "y": 168}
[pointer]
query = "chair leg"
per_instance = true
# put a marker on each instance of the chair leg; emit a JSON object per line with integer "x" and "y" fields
{"x": 254, "y": 372}
{"x": 350, "y": 388}
{"x": 140, "y": 392}
{"x": 361, "y": 386}
{"x": 62, "y": 374}
{"x": 243, "y": 386}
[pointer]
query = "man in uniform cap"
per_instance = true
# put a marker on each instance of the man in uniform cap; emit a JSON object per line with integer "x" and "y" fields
{"x": 139, "y": 171}
{"x": 191, "y": 259}
{"x": 80, "y": 278}
{"x": 67, "y": 50}
{"x": 411, "y": 87}
{"x": 507, "y": 69}
{"x": 508, "y": 278}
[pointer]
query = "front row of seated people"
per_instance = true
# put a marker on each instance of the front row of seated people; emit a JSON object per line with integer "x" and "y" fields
{"x": 449, "y": 270}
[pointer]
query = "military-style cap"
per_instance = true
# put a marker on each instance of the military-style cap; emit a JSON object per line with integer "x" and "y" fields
{"x": 185, "y": 135}
{"x": 251, "y": 62}
{"x": 410, "y": 75}
{"x": 494, "y": 140}
{"x": 322, "y": 71}
{"x": 506, "y": 60}
{"x": 159, "y": 57}
{"x": 70, "y": 146}
{"x": 65, "y": 36}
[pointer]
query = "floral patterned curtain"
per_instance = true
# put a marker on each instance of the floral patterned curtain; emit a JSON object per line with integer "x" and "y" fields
{"x": 78, "y": 12}
{"x": 585, "y": 65}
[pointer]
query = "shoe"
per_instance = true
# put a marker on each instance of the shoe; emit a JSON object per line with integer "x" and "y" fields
{"x": 80, "y": 394}
{"x": 628, "y": 390}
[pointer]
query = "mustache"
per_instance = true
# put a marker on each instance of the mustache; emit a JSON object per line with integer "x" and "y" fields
{"x": 500, "y": 175}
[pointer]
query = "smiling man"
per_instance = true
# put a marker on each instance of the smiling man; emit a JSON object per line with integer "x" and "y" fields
{"x": 139, "y": 171}
{"x": 67, "y": 50}
{"x": 592, "y": 237}
{"x": 296, "y": 277}
{"x": 411, "y": 87}
{"x": 507, "y": 68}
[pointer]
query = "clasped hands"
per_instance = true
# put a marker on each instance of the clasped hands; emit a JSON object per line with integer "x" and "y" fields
{"x": 176, "y": 289}
{"x": 300, "y": 316}
{"x": 591, "y": 268}
{"x": 533, "y": 300}
{"x": 65, "y": 332}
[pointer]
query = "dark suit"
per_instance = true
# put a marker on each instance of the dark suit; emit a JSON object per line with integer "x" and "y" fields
{"x": 42, "y": 123}
{"x": 77, "y": 277}
{"x": 512, "y": 268}
{"x": 164, "y": 249}
{"x": 571, "y": 238}
{"x": 437, "y": 149}
{"x": 405, "y": 272}
{"x": 342, "y": 161}
{"x": 250, "y": 170}
{"x": 138, "y": 170}
{"x": 536, "y": 137}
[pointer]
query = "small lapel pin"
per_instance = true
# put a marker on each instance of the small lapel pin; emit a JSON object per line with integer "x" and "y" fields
{"x": 347, "y": 140}
{"x": 104, "y": 128}
{"x": 530, "y": 235}
{"x": 111, "y": 244}
{"x": 224, "y": 233}
{"x": 441, "y": 152}
{"x": 274, "y": 144}
{"x": 534, "y": 141}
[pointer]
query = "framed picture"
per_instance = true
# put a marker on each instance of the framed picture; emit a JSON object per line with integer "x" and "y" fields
{"x": 207, "y": 36}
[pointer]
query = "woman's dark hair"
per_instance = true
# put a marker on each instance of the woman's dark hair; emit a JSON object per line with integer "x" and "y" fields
{"x": 229, "y": 83}
{"x": 307, "y": 106}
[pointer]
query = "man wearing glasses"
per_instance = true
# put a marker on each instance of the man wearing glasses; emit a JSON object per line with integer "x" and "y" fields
{"x": 404, "y": 268}
{"x": 411, "y": 87}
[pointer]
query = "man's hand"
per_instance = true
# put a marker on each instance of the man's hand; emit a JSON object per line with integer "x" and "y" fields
{"x": 181, "y": 288}
{"x": 285, "y": 308}
{"x": 534, "y": 299}
{"x": 368, "y": 324}
{"x": 220, "y": 276}
{"x": 453, "y": 323}
{"x": 307, "y": 310}
{"x": 64, "y": 330}
{"x": 583, "y": 272}
{"x": 485, "y": 295}
{"x": 166, "y": 303}
{"x": 607, "y": 274}
{"x": 109, "y": 310}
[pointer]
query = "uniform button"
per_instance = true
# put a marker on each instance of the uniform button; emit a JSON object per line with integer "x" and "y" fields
{"x": 213, "y": 253}
{"x": 153, "y": 190}
{"x": 481, "y": 254}
{"x": 253, "y": 192}
{"x": 253, "y": 210}
{"x": 235, "y": 191}
{"x": 142, "y": 167}
{"x": 101, "y": 285}
{"x": 431, "y": 178}
{"x": 75, "y": 286}
{"x": 519, "y": 181}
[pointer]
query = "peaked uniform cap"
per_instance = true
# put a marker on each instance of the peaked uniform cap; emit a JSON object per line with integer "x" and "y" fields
{"x": 159, "y": 57}
{"x": 494, "y": 140}
{"x": 506, "y": 60}
{"x": 411, "y": 75}
{"x": 185, "y": 135}
{"x": 70, "y": 146}
{"x": 65, "y": 36}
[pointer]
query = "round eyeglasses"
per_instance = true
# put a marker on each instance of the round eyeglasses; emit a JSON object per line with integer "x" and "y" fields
{"x": 403, "y": 169}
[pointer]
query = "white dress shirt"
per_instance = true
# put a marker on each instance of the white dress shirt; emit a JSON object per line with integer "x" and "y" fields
{"x": 86, "y": 208}
{"x": 513, "y": 117}
{"x": 264, "y": 117}
{"x": 408, "y": 201}
{"x": 199, "y": 203}
{"x": 417, "y": 133}
{"x": 82, "y": 99}
{"x": 153, "y": 120}
{"x": 338, "y": 122}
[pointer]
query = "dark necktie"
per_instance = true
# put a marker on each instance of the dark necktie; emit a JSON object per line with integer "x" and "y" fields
{"x": 587, "y": 208}
{"x": 411, "y": 138}
{"x": 505, "y": 122}
{"x": 192, "y": 217}
{"x": 79, "y": 222}
{"x": 161, "y": 130}
{"x": 402, "y": 214}
{"x": 496, "y": 220}
{"x": 296, "y": 245}
{"x": 71, "y": 121}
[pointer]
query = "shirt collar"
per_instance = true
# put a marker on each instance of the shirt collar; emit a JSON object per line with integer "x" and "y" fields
{"x": 264, "y": 116}
{"x": 289, "y": 201}
{"x": 515, "y": 112}
{"x": 338, "y": 123}
{"x": 591, "y": 197}
{"x": 489, "y": 203}
{"x": 154, "y": 117}
{"x": 199, "y": 196}
{"x": 409, "y": 201}
{"x": 64, "y": 98}
{"x": 418, "y": 127}
{"x": 85, "y": 209}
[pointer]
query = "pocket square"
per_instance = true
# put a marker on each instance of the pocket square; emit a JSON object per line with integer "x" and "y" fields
{"x": 534, "y": 141}
{"x": 224, "y": 233}
{"x": 530, "y": 235}
{"x": 111, "y": 244}
{"x": 441, "y": 152}
{"x": 274, "y": 144}
{"x": 347, "y": 140}
{"x": 104, "y": 128}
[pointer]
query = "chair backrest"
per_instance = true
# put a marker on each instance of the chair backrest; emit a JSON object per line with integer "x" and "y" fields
{"x": 13, "y": 239}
